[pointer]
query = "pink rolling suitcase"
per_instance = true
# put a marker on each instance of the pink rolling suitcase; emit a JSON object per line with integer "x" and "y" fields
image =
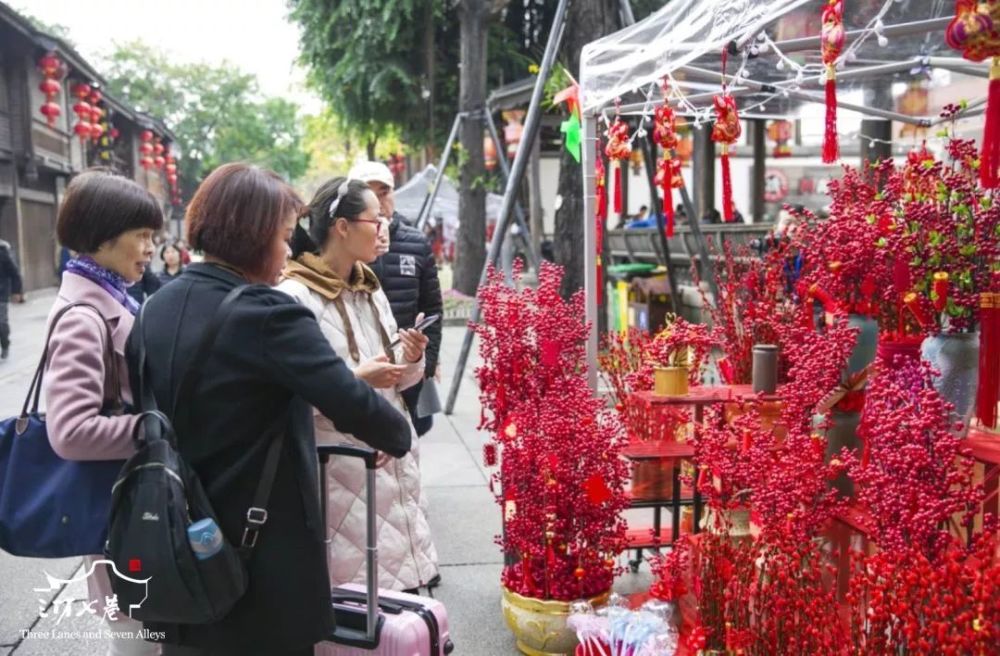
{"x": 374, "y": 621}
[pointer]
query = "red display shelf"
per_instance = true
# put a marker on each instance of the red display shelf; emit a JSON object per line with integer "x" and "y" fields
{"x": 657, "y": 450}
{"x": 643, "y": 537}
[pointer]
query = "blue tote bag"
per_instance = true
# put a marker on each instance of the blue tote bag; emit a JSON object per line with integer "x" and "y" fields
{"x": 51, "y": 507}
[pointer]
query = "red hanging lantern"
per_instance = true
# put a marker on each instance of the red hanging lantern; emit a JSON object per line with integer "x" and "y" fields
{"x": 81, "y": 90}
{"x": 96, "y": 131}
{"x": 82, "y": 130}
{"x": 146, "y": 135}
{"x": 832, "y": 43}
{"x": 975, "y": 30}
{"x": 780, "y": 132}
{"x": 115, "y": 133}
{"x": 158, "y": 147}
{"x": 618, "y": 151}
{"x": 52, "y": 70}
{"x": 146, "y": 149}
{"x": 51, "y": 111}
{"x": 726, "y": 131}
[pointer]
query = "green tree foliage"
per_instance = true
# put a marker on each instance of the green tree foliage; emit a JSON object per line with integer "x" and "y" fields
{"x": 216, "y": 111}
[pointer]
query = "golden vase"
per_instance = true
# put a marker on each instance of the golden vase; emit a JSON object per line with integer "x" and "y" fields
{"x": 670, "y": 381}
{"x": 539, "y": 625}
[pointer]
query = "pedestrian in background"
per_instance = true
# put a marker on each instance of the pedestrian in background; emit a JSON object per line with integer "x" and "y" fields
{"x": 109, "y": 221}
{"x": 269, "y": 363}
{"x": 170, "y": 255}
{"x": 408, "y": 274}
{"x": 11, "y": 291}
{"x": 329, "y": 276}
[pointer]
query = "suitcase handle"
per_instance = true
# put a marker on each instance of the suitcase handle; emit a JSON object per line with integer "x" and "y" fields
{"x": 372, "y": 624}
{"x": 368, "y": 455}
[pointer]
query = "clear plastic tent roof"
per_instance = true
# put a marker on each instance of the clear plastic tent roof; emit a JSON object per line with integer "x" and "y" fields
{"x": 774, "y": 63}
{"x": 412, "y": 196}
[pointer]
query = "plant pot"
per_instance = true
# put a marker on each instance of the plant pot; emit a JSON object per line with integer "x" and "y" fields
{"x": 843, "y": 433}
{"x": 539, "y": 625}
{"x": 670, "y": 381}
{"x": 956, "y": 357}
{"x": 866, "y": 346}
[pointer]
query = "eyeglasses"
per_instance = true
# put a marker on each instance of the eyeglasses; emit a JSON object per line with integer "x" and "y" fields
{"x": 377, "y": 222}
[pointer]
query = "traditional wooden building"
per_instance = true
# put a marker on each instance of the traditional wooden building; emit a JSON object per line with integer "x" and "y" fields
{"x": 57, "y": 119}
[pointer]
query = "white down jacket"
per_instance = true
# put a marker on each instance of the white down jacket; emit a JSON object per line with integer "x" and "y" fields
{"x": 407, "y": 557}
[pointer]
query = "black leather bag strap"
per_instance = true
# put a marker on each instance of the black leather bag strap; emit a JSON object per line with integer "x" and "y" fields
{"x": 33, "y": 398}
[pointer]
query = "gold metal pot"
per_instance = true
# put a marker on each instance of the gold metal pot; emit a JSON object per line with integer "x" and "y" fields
{"x": 670, "y": 381}
{"x": 540, "y": 625}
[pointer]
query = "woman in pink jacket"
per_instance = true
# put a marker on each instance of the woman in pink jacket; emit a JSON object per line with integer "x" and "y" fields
{"x": 110, "y": 221}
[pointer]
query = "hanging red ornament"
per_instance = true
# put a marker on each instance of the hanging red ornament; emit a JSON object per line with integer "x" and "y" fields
{"x": 52, "y": 70}
{"x": 96, "y": 131}
{"x": 665, "y": 135}
{"x": 81, "y": 90}
{"x": 975, "y": 30}
{"x": 50, "y": 66}
{"x": 726, "y": 131}
{"x": 832, "y": 43}
{"x": 939, "y": 290}
{"x": 146, "y": 135}
{"x": 51, "y": 111}
{"x": 82, "y": 130}
{"x": 988, "y": 393}
{"x": 115, "y": 133}
{"x": 618, "y": 150}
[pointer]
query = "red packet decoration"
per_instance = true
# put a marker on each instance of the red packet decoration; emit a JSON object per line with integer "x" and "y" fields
{"x": 832, "y": 44}
{"x": 975, "y": 31}
{"x": 597, "y": 490}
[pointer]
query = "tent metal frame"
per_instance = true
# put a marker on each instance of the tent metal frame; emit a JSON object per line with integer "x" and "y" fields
{"x": 749, "y": 87}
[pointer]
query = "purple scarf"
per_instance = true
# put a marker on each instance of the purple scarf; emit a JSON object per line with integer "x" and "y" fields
{"x": 109, "y": 281}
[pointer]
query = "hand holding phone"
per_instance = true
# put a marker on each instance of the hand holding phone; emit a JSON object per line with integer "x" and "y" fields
{"x": 421, "y": 324}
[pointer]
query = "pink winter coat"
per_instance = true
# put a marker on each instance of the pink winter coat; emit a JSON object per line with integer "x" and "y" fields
{"x": 75, "y": 383}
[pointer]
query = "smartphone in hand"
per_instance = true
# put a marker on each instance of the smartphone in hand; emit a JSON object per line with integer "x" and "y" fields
{"x": 422, "y": 325}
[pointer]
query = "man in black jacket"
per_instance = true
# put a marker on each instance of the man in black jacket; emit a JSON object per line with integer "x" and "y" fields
{"x": 408, "y": 274}
{"x": 10, "y": 291}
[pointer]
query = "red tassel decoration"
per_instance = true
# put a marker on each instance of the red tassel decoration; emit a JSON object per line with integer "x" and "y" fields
{"x": 989, "y": 160}
{"x": 618, "y": 189}
{"x": 832, "y": 38}
{"x": 988, "y": 394}
{"x": 727, "y": 186}
{"x": 831, "y": 143}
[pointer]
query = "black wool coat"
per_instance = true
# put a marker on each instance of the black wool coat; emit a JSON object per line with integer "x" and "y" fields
{"x": 269, "y": 364}
{"x": 409, "y": 277}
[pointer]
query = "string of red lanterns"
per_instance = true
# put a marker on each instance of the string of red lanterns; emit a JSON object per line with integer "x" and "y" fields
{"x": 53, "y": 70}
{"x": 83, "y": 110}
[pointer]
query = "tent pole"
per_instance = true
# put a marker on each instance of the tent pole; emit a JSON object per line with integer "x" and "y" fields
{"x": 899, "y": 29}
{"x": 628, "y": 18}
{"x": 533, "y": 258}
{"x": 588, "y": 163}
{"x": 531, "y": 129}
{"x": 428, "y": 207}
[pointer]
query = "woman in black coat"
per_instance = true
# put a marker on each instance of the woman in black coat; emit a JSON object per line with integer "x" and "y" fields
{"x": 269, "y": 364}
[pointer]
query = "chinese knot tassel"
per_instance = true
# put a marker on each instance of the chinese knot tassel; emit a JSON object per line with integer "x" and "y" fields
{"x": 988, "y": 394}
{"x": 831, "y": 145}
{"x": 727, "y": 186}
{"x": 668, "y": 205}
{"x": 618, "y": 188}
{"x": 989, "y": 160}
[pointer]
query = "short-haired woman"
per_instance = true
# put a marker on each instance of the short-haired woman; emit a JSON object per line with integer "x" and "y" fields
{"x": 173, "y": 267}
{"x": 329, "y": 277}
{"x": 267, "y": 356}
{"x": 109, "y": 221}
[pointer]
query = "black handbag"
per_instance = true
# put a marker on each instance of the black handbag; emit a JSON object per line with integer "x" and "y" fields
{"x": 51, "y": 507}
{"x": 158, "y": 496}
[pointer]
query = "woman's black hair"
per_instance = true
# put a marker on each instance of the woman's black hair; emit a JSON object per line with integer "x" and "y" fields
{"x": 339, "y": 198}
{"x": 169, "y": 244}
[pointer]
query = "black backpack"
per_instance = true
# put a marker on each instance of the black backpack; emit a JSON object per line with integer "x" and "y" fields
{"x": 158, "y": 496}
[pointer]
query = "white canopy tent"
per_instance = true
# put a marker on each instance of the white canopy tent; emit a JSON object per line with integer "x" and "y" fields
{"x": 774, "y": 70}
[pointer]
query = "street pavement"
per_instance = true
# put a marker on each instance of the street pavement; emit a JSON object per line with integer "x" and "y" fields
{"x": 463, "y": 516}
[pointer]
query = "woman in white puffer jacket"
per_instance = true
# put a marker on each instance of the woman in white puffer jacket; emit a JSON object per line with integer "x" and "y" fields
{"x": 354, "y": 314}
